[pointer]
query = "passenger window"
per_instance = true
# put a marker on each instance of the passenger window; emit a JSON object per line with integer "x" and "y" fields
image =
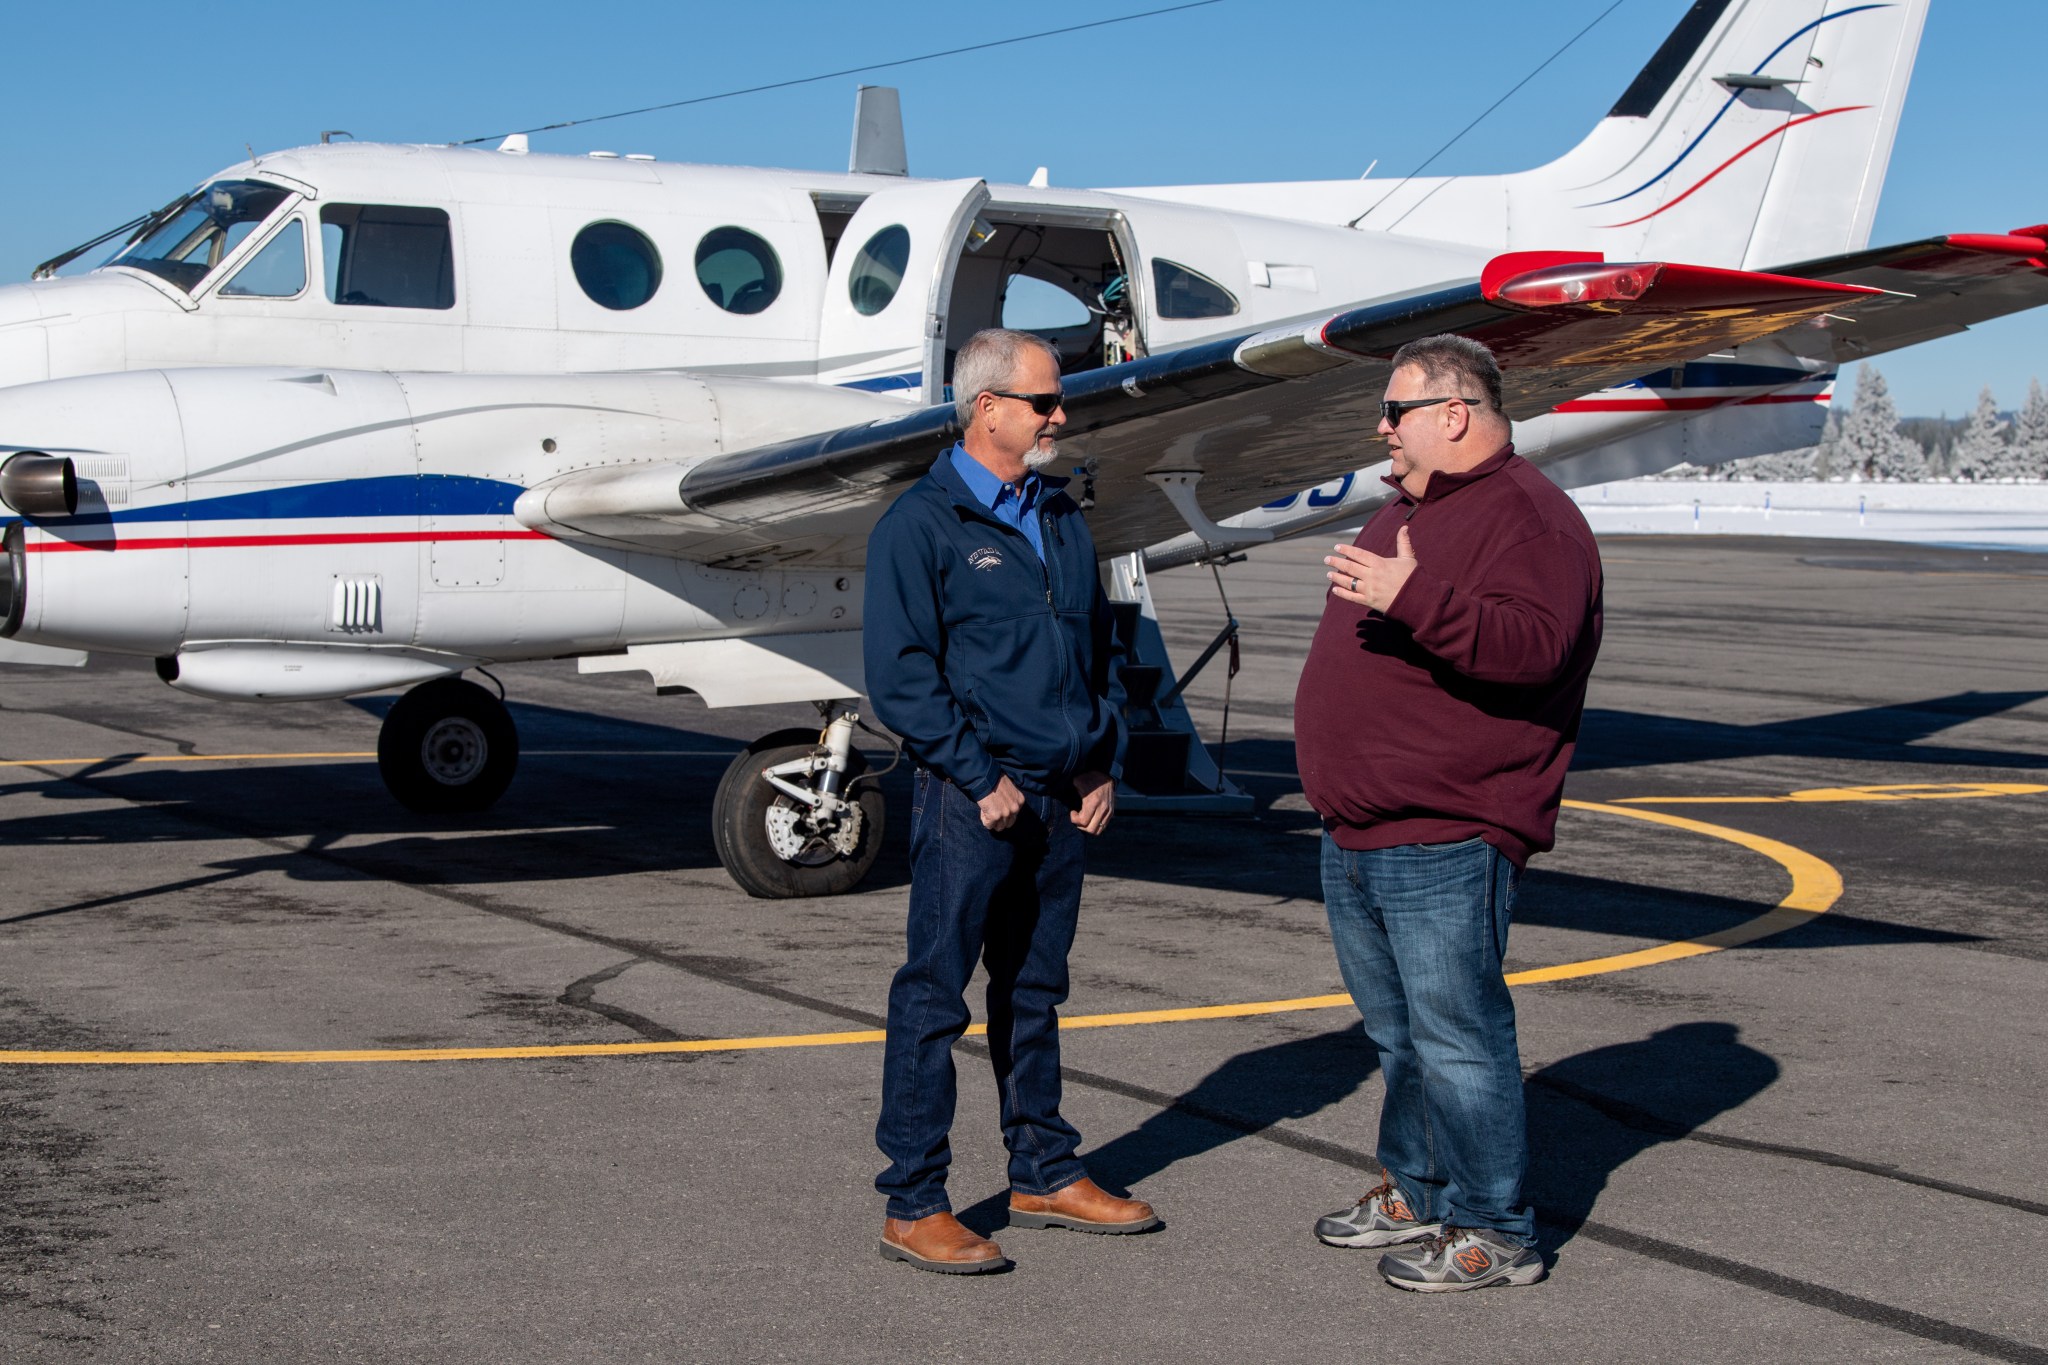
{"x": 277, "y": 272}
{"x": 1183, "y": 293}
{"x": 878, "y": 270}
{"x": 740, "y": 272}
{"x": 1034, "y": 305}
{"x": 616, "y": 265}
{"x": 382, "y": 256}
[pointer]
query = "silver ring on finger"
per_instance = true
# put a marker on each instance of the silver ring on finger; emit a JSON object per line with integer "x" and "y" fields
{"x": 1354, "y": 585}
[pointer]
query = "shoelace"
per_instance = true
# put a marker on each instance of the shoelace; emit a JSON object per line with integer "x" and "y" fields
{"x": 1436, "y": 1243}
{"x": 1376, "y": 1191}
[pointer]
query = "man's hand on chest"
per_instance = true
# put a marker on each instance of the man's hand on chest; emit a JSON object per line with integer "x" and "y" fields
{"x": 1365, "y": 579}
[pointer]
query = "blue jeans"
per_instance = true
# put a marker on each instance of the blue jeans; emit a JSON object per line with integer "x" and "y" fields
{"x": 1420, "y": 933}
{"x": 1010, "y": 899}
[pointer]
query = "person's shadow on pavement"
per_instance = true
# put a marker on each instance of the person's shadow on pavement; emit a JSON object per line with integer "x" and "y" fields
{"x": 1591, "y": 1114}
{"x": 1247, "y": 1094}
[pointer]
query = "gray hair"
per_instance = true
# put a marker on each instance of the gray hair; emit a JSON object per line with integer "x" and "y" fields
{"x": 988, "y": 361}
{"x": 1455, "y": 363}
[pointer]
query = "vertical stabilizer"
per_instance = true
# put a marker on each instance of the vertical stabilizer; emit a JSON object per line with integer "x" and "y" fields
{"x": 1757, "y": 135}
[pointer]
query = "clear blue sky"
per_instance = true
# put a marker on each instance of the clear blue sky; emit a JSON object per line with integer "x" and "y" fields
{"x": 113, "y": 109}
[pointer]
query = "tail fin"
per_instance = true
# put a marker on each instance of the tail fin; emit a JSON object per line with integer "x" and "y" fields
{"x": 1757, "y": 135}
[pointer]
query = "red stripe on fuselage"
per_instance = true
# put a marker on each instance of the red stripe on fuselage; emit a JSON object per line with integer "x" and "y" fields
{"x": 1681, "y": 404}
{"x": 256, "y": 542}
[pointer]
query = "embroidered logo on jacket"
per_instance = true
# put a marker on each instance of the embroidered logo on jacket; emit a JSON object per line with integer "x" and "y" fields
{"x": 984, "y": 558}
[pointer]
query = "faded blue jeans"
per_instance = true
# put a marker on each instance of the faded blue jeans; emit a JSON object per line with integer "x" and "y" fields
{"x": 1010, "y": 899}
{"x": 1420, "y": 932}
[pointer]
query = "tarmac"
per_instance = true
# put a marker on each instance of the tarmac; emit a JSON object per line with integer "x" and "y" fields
{"x": 543, "y": 1085}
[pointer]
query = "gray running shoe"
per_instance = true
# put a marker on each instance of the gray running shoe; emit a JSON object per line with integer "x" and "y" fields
{"x": 1380, "y": 1218}
{"x": 1461, "y": 1258}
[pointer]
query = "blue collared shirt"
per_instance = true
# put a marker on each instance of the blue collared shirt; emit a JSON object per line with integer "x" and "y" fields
{"x": 1003, "y": 500}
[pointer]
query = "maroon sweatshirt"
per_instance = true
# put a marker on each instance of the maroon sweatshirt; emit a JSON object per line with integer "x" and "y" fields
{"x": 1455, "y": 713}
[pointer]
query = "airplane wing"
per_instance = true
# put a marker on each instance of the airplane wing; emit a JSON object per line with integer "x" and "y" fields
{"x": 1279, "y": 409}
{"x": 1934, "y": 288}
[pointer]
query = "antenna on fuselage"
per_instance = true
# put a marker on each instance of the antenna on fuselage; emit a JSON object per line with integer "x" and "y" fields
{"x": 878, "y": 133}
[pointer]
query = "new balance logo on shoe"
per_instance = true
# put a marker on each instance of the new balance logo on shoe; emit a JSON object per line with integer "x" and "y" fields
{"x": 1472, "y": 1260}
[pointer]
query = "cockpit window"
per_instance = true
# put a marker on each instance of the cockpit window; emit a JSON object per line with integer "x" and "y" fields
{"x": 1184, "y": 293}
{"x": 383, "y": 256}
{"x": 276, "y": 272}
{"x": 189, "y": 239}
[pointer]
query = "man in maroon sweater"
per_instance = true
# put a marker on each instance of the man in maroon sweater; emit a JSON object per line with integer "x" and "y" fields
{"x": 1433, "y": 725}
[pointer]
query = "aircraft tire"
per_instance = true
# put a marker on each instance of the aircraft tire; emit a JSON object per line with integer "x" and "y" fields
{"x": 448, "y": 747}
{"x": 739, "y": 825}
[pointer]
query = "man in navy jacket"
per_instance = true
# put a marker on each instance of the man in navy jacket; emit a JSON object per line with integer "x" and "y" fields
{"x": 989, "y": 650}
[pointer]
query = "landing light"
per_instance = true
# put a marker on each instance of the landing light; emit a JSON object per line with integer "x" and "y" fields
{"x": 1577, "y": 284}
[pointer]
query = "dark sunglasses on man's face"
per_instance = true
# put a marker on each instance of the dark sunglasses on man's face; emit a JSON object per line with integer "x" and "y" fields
{"x": 1044, "y": 404}
{"x": 1392, "y": 409}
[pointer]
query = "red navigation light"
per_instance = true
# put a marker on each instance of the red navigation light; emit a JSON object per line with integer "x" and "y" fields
{"x": 1582, "y": 285}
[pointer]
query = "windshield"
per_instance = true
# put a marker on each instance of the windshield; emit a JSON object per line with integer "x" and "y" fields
{"x": 189, "y": 239}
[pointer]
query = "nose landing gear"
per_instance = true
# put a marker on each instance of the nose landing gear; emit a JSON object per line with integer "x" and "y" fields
{"x": 793, "y": 816}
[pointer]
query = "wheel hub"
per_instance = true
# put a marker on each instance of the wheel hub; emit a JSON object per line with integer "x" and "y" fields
{"x": 454, "y": 751}
{"x": 797, "y": 837}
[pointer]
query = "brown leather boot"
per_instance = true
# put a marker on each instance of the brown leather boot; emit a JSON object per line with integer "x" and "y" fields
{"x": 1084, "y": 1206}
{"x": 942, "y": 1243}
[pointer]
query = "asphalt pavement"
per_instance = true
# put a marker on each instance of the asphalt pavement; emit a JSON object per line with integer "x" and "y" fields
{"x": 1784, "y": 1075}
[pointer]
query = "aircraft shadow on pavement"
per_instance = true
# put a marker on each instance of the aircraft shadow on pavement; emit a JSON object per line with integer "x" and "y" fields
{"x": 567, "y": 816}
{"x": 1877, "y": 734}
{"x": 1589, "y": 1114}
{"x": 1637, "y": 739}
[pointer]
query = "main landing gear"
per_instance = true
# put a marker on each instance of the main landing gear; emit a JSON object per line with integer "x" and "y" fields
{"x": 448, "y": 747}
{"x": 795, "y": 815}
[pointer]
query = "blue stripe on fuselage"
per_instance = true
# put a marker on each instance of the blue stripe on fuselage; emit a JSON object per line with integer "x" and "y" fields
{"x": 399, "y": 495}
{"x": 1715, "y": 374}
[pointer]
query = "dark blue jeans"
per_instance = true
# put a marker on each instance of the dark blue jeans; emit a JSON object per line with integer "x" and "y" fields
{"x": 1011, "y": 900}
{"x": 1420, "y": 933}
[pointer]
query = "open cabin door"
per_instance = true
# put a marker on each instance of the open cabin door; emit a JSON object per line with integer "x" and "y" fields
{"x": 890, "y": 286}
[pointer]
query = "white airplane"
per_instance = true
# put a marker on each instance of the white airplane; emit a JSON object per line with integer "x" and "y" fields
{"x": 354, "y": 417}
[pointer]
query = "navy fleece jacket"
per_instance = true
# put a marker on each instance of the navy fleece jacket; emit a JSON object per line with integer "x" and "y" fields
{"x": 985, "y": 659}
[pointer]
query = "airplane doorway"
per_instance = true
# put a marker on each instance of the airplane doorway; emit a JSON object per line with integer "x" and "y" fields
{"x": 1058, "y": 276}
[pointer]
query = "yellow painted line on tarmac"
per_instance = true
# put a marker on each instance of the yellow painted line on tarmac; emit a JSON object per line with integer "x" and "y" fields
{"x": 1815, "y": 887}
{"x": 1907, "y": 791}
{"x": 162, "y": 758}
{"x": 281, "y": 758}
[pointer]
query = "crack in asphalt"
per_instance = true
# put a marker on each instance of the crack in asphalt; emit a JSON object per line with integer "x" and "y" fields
{"x": 582, "y": 994}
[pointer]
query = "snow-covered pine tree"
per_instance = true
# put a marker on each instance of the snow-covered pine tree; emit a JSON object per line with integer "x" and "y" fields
{"x": 2030, "y": 439}
{"x": 1871, "y": 447}
{"x": 1981, "y": 450}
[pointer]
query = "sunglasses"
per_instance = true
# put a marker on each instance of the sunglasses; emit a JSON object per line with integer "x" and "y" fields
{"x": 1044, "y": 404}
{"x": 1393, "y": 409}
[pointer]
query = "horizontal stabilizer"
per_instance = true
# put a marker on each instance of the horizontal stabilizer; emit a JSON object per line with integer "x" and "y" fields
{"x": 1934, "y": 287}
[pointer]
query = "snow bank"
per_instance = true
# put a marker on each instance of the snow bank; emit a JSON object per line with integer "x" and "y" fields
{"x": 1973, "y": 516}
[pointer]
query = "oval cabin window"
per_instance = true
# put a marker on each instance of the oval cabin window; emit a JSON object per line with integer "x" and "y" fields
{"x": 616, "y": 265}
{"x": 740, "y": 272}
{"x": 1185, "y": 293}
{"x": 878, "y": 270}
